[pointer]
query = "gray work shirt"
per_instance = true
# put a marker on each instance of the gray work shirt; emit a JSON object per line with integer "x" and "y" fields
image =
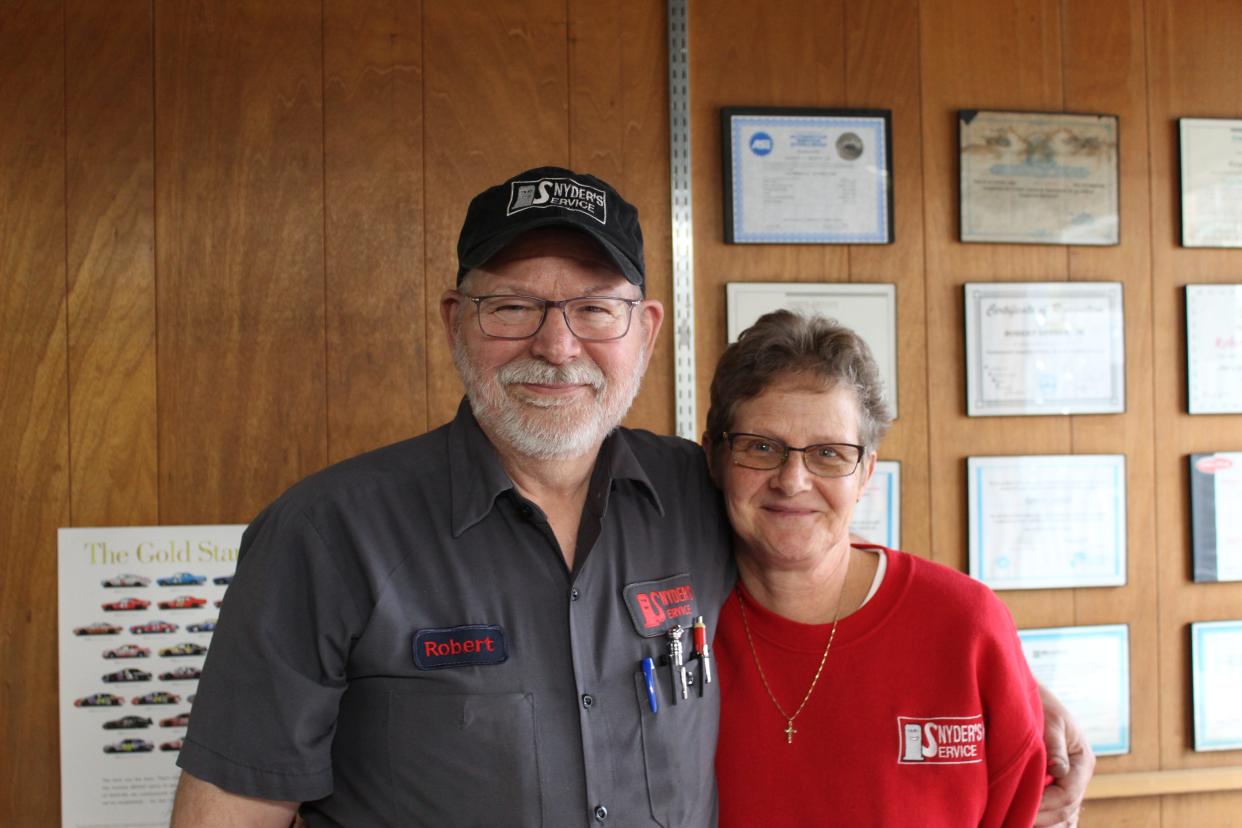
{"x": 404, "y": 645}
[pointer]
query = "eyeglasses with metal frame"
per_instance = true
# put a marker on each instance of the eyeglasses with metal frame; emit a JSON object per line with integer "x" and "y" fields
{"x": 590, "y": 318}
{"x": 758, "y": 451}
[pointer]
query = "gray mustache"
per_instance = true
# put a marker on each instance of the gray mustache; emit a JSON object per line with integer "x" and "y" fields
{"x": 541, "y": 373}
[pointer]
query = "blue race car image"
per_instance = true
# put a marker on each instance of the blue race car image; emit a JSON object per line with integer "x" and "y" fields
{"x": 182, "y": 579}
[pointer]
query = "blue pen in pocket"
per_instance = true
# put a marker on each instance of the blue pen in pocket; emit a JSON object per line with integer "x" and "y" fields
{"x": 649, "y": 679}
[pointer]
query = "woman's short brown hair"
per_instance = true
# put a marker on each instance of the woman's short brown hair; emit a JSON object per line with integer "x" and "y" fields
{"x": 783, "y": 344}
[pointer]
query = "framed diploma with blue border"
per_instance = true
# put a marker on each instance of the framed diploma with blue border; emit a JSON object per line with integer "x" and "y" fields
{"x": 1037, "y": 348}
{"x": 1211, "y": 172}
{"x": 1214, "y": 349}
{"x": 807, "y": 176}
{"x": 1216, "y": 683}
{"x": 1216, "y": 516}
{"x": 1038, "y": 177}
{"x": 877, "y": 517}
{"x": 1047, "y": 521}
{"x": 1088, "y": 669}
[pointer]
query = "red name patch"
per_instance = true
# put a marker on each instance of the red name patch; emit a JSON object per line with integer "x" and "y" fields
{"x": 474, "y": 644}
{"x": 943, "y": 740}
{"x": 657, "y": 606}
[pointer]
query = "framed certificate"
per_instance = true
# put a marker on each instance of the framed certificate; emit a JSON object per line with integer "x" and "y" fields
{"x": 1214, "y": 349}
{"x": 1088, "y": 669}
{"x": 869, "y": 309}
{"x": 1216, "y": 515}
{"x": 877, "y": 517}
{"x": 1038, "y": 177}
{"x": 1044, "y": 348}
{"x": 1211, "y": 164}
{"x": 1047, "y": 521}
{"x": 1216, "y": 679}
{"x": 807, "y": 176}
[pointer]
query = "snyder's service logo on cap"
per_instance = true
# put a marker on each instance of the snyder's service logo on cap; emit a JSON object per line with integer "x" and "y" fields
{"x": 565, "y": 193}
{"x": 943, "y": 740}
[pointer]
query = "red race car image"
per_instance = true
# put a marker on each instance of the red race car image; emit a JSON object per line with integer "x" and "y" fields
{"x": 127, "y": 651}
{"x": 156, "y": 626}
{"x": 98, "y": 628}
{"x": 127, "y": 605}
{"x": 127, "y": 581}
{"x": 175, "y": 744}
{"x": 183, "y": 602}
{"x": 180, "y": 720}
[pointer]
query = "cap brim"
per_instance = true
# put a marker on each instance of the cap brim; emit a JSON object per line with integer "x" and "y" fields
{"x": 483, "y": 253}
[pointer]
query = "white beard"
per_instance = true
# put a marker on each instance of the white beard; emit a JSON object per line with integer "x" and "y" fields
{"x": 541, "y": 427}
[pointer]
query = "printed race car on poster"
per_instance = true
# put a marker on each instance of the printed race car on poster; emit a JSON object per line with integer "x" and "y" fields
{"x": 126, "y": 581}
{"x": 127, "y": 651}
{"x": 185, "y": 648}
{"x": 126, "y": 605}
{"x": 157, "y": 697}
{"x": 98, "y": 628}
{"x": 183, "y": 602}
{"x": 128, "y": 674}
{"x": 181, "y": 674}
{"x": 156, "y": 626}
{"x": 99, "y": 700}
{"x": 180, "y": 720}
{"x": 130, "y": 746}
{"x": 202, "y": 626}
{"x": 222, "y": 580}
{"x": 182, "y": 579}
{"x": 175, "y": 744}
{"x": 128, "y": 723}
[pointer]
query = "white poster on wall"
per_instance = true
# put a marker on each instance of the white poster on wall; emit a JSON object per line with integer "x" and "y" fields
{"x": 137, "y": 608}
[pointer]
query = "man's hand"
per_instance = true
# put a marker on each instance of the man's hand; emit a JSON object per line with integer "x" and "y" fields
{"x": 1070, "y": 762}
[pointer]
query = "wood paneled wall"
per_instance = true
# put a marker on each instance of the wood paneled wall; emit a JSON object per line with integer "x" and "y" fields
{"x": 226, "y": 224}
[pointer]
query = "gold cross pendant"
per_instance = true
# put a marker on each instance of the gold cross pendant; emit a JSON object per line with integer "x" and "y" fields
{"x": 789, "y": 732}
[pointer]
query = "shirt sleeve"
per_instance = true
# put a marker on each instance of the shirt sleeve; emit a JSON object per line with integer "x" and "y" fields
{"x": 1015, "y": 720}
{"x": 266, "y": 706}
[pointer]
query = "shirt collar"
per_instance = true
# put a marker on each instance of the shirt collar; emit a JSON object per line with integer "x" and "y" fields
{"x": 476, "y": 477}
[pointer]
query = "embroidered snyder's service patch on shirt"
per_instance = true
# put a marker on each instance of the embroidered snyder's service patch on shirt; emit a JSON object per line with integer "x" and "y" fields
{"x": 473, "y": 644}
{"x": 657, "y": 606}
{"x": 942, "y": 740}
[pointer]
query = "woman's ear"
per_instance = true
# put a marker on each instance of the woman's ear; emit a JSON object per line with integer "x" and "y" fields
{"x": 710, "y": 448}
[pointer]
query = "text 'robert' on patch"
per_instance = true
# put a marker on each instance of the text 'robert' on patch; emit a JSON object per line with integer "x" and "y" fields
{"x": 470, "y": 645}
{"x": 657, "y": 606}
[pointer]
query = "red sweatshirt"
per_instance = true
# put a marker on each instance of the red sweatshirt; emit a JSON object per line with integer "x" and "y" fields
{"x": 925, "y": 714}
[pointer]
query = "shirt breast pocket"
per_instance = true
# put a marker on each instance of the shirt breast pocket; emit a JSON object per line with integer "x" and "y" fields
{"x": 679, "y": 752}
{"x": 465, "y": 759}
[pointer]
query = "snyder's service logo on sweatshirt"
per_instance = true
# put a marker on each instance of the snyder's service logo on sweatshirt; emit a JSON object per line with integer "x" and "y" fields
{"x": 942, "y": 740}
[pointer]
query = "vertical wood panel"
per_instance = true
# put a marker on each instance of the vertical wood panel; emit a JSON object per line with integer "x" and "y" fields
{"x": 791, "y": 54}
{"x": 882, "y": 71}
{"x": 373, "y": 166}
{"x": 1194, "y": 65}
{"x": 619, "y": 130}
{"x": 239, "y": 196}
{"x": 111, "y": 261}
{"x": 497, "y": 102}
{"x": 1105, "y": 72}
{"x": 34, "y": 439}
{"x": 980, "y": 55}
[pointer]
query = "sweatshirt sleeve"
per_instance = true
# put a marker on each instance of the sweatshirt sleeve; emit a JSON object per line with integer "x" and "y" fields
{"x": 1017, "y": 765}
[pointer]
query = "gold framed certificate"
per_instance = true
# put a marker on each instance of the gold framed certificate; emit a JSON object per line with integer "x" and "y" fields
{"x": 1038, "y": 177}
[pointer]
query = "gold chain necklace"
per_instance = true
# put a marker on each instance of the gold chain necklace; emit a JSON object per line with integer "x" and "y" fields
{"x": 790, "y": 730}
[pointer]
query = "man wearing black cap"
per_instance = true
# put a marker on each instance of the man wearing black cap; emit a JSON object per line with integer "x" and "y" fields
{"x": 452, "y": 630}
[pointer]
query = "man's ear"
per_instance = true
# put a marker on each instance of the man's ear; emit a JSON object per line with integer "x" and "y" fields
{"x": 652, "y": 314}
{"x": 450, "y": 305}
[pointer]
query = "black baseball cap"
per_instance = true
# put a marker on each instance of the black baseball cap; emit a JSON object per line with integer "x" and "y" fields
{"x": 552, "y": 197}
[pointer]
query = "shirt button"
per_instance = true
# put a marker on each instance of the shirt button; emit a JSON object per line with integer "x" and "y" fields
{"x": 587, "y": 700}
{"x": 574, "y": 594}
{"x": 601, "y": 813}
{"x": 526, "y": 511}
